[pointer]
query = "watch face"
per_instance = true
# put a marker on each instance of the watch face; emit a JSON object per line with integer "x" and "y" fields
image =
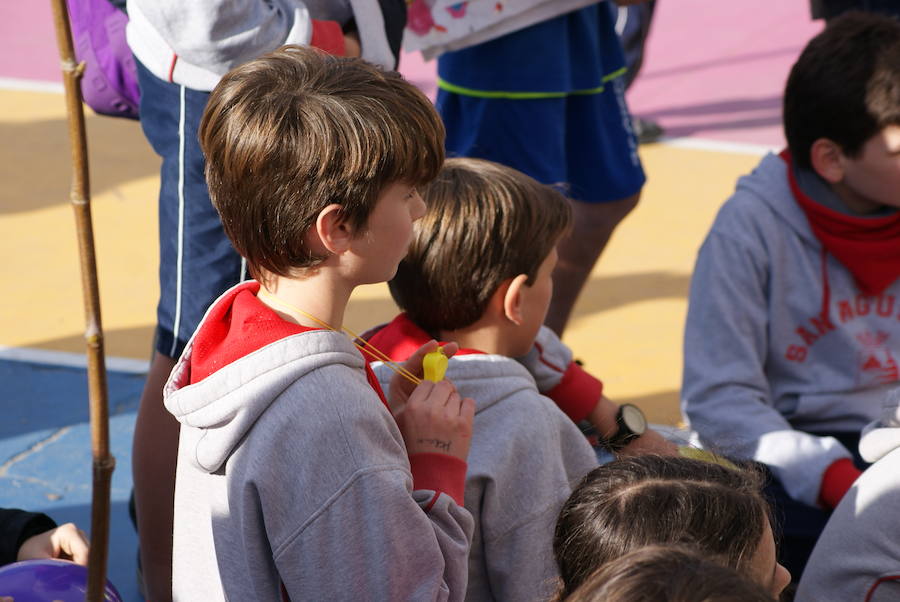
{"x": 634, "y": 419}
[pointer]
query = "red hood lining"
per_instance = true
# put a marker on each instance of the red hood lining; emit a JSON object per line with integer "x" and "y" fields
{"x": 869, "y": 247}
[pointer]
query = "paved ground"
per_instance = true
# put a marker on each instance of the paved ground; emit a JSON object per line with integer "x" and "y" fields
{"x": 713, "y": 77}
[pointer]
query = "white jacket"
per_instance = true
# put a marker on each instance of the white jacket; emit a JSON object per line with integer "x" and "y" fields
{"x": 194, "y": 43}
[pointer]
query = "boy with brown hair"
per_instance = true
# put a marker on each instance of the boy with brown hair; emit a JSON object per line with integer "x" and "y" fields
{"x": 293, "y": 477}
{"x": 792, "y": 338}
{"x": 478, "y": 272}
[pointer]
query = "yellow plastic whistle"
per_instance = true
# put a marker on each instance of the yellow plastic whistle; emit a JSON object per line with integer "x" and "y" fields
{"x": 434, "y": 365}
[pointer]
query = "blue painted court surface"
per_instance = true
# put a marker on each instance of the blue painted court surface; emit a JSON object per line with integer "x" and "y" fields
{"x": 45, "y": 447}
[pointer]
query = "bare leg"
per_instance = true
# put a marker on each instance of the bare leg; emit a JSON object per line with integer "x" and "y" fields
{"x": 592, "y": 225}
{"x": 153, "y": 469}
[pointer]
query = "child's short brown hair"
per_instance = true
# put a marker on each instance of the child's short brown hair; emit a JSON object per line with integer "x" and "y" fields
{"x": 485, "y": 223}
{"x": 646, "y": 500}
{"x": 674, "y": 573}
{"x": 293, "y": 131}
{"x": 845, "y": 86}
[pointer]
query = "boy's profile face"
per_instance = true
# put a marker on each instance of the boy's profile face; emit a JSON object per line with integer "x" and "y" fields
{"x": 873, "y": 178}
{"x": 534, "y": 304}
{"x": 383, "y": 242}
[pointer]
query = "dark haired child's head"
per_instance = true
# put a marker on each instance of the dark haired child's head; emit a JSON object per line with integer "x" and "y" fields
{"x": 295, "y": 131}
{"x": 842, "y": 108}
{"x": 668, "y": 573}
{"x": 487, "y": 243}
{"x": 645, "y": 500}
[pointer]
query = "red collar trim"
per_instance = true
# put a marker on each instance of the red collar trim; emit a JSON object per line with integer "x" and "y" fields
{"x": 401, "y": 338}
{"x": 237, "y": 325}
{"x": 464, "y": 351}
{"x": 867, "y": 246}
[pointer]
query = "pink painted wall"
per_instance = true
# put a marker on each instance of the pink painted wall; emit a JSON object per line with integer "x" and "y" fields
{"x": 717, "y": 69}
{"x": 713, "y": 69}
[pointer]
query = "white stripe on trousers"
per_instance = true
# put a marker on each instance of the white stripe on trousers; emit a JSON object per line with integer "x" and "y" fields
{"x": 177, "y": 324}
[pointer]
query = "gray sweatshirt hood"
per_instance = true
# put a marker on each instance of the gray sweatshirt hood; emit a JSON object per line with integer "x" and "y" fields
{"x": 217, "y": 412}
{"x": 489, "y": 378}
{"x": 768, "y": 184}
{"x": 486, "y": 378}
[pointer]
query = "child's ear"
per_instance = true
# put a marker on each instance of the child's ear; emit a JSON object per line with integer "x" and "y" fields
{"x": 827, "y": 159}
{"x": 512, "y": 299}
{"x": 332, "y": 229}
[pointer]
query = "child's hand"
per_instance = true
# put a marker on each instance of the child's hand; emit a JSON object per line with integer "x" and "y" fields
{"x": 401, "y": 388}
{"x": 431, "y": 416}
{"x": 352, "y": 47}
{"x": 435, "y": 419}
{"x": 66, "y": 542}
{"x": 650, "y": 442}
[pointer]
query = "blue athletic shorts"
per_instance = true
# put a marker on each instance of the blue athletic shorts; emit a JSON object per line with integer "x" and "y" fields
{"x": 548, "y": 100}
{"x": 584, "y": 144}
{"x": 196, "y": 260}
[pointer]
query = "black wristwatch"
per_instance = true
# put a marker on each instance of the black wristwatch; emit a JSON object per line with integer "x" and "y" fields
{"x": 632, "y": 424}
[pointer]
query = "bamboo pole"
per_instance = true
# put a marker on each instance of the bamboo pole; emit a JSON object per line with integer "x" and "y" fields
{"x": 103, "y": 462}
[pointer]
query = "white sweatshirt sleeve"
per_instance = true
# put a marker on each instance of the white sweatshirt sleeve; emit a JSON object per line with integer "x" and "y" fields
{"x": 725, "y": 391}
{"x": 196, "y": 43}
{"x": 547, "y": 360}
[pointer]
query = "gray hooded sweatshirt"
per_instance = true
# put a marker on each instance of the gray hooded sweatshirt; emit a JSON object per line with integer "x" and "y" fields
{"x": 292, "y": 471}
{"x": 526, "y": 457}
{"x": 857, "y": 556}
{"x": 779, "y": 340}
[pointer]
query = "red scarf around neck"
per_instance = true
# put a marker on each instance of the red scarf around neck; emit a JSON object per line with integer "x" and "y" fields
{"x": 867, "y": 246}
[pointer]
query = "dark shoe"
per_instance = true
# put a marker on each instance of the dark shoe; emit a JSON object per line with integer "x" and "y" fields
{"x": 646, "y": 131}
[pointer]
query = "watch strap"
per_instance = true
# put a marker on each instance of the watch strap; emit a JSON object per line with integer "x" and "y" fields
{"x": 623, "y": 435}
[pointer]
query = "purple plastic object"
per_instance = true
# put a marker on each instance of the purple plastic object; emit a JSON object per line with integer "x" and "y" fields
{"x": 47, "y": 581}
{"x": 109, "y": 85}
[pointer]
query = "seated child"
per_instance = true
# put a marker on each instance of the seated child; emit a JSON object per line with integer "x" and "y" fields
{"x": 478, "y": 272}
{"x": 793, "y": 327}
{"x": 293, "y": 478}
{"x": 668, "y": 574}
{"x": 645, "y": 500}
{"x": 857, "y": 556}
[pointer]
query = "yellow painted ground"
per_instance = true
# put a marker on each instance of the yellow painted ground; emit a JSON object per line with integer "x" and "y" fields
{"x": 43, "y": 307}
{"x": 627, "y": 326}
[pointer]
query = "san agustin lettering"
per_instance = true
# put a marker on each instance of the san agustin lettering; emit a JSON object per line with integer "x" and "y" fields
{"x": 883, "y": 306}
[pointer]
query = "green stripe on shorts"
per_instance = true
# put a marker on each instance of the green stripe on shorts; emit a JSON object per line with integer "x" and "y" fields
{"x": 462, "y": 91}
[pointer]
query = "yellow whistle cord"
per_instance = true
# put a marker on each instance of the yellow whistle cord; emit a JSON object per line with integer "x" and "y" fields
{"x": 357, "y": 340}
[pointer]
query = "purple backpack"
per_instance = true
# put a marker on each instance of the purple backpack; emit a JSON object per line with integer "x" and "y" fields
{"x": 109, "y": 85}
